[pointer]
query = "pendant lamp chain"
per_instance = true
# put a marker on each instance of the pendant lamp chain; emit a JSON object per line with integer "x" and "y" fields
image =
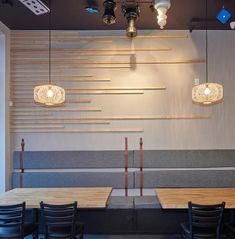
{"x": 206, "y": 44}
{"x": 207, "y": 93}
{"x": 49, "y": 94}
{"x": 50, "y": 42}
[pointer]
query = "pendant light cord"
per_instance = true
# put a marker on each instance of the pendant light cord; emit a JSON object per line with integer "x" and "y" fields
{"x": 50, "y": 42}
{"x": 206, "y": 44}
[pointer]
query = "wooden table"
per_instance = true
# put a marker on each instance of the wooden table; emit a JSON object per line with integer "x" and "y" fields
{"x": 177, "y": 198}
{"x": 96, "y": 197}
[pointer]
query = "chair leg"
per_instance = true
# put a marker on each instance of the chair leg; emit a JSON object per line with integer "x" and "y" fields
{"x": 35, "y": 234}
{"x": 81, "y": 232}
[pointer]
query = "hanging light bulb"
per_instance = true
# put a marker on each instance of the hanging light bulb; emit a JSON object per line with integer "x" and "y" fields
{"x": 131, "y": 12}
{"x": 207, "y": 93}
{"x": 49, "y": 94}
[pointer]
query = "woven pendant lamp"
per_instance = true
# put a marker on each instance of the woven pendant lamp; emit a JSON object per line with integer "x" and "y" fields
{"x": 207, "y": 93}
{"x": 49, "y": 94}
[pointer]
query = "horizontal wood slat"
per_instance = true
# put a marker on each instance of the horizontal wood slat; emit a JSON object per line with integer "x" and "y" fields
{"x": 77, "y": 62}
{"x": 160, "y": 117}
{"x": 75, "y": 130}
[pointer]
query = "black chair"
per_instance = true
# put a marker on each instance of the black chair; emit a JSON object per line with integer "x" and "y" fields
{"x": 230, "y": 229}
{"x": 59, "y": 221}
{"x": 204, "y": 221}
{"x": 12, "y": 222}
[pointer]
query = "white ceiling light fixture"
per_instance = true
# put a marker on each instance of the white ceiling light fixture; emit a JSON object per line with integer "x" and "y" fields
{"x": 207, "y": 93}
{"x": 49, "y": 94}
{"x": 162, "y": 6}
{"x": 36, "y": 6}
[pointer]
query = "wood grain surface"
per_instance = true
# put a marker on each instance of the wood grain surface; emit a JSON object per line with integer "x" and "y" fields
{"x": 96, "y": 197}
{"x": 173, "y": 198}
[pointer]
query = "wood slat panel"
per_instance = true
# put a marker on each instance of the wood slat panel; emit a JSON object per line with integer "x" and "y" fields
{"x": 77, "y": 50}
{"x": 111, "y": 92}
{"x": 59, "y": 109}
{"x": 79, "y": 67}
{"x": 26, "y": 89}
{"x": 31, "y": 101}
{"x": 29, "y": 60}
{"x": 16, "y": 122}
{"x": 20, "y": 82}
{"x": 106, "y": 130}
{"x": 187, "y": 61}
{"x": 166, "y": 117}
{"x": 45, "y": 34}
{"x": 37, "y": 126}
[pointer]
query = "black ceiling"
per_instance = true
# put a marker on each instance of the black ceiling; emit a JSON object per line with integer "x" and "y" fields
{"x": 70, "y": 15}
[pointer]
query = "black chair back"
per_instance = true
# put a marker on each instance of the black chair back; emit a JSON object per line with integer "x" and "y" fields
{"x": 207, "y": 218}
{"x": 12, "y": 219}
{"x": 59, "y": 220}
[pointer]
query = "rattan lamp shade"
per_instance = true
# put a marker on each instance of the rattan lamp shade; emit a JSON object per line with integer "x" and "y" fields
{"x": 207, "y": 93}
{"x": 49, "y": 95}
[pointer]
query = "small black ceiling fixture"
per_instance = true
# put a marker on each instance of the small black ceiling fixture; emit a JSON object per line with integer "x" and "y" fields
{"x": 109, "y": 14}
{"x": 91, "y": 6}
{"x": 131, "y": 13}
{"x": 7, "y": 3}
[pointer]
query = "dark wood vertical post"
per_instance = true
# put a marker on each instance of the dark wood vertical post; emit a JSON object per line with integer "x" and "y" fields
{"x": 21, "y": 157}
{"x": 141, "y": 167}
{"x": 126, "y": 166}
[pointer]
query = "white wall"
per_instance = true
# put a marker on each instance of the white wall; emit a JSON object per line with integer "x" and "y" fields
{"x": 5, "y": 149}
{"x": 217, "y": 132}
{"x": 2, "y": 113}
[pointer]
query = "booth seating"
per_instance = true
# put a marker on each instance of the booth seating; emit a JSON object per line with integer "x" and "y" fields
{"x": 161, "y": 168}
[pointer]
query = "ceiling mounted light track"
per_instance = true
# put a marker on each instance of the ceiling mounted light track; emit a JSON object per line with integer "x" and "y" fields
{"x": 162, "y": 6}
{"x": 36, "y": 6}
{"x": 109, "y": 15}
{"x": 131, "y": 13}
{"x": 91, "y": 7}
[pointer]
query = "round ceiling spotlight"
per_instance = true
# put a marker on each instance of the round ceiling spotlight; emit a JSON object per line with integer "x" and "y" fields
{"x": 131, "y": 13}
{"x": 109, "y": 15}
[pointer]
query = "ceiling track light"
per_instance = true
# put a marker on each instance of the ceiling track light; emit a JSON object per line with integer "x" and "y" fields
{"x": 131, "y": 13}
{"x": 91, "y": 7}
{"x": 109, "y": 17}
{"x": 36, "y": 6}
{"x": 162, "y": 6}
{"x": 8, "y": 3}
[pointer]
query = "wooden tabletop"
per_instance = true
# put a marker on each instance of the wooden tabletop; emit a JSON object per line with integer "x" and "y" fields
{"x": 96, "y": 197}
{"x": 171, "y": 198}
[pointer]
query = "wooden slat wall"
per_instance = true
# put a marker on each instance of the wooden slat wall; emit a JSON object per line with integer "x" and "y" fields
{"x": 29, "y": 67}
